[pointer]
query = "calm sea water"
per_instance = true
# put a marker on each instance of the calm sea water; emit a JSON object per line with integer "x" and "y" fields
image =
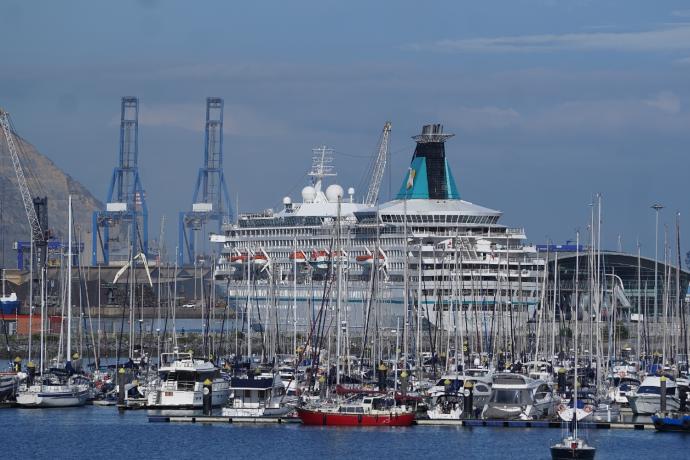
{"x": 101, "y": 432}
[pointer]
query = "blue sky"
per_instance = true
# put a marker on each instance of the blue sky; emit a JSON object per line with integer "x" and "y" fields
{"x": 551, "y": 101}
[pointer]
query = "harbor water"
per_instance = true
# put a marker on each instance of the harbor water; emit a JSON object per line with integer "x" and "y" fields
{"x": 92, "y": 431}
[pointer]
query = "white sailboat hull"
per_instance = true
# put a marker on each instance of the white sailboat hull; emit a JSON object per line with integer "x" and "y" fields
{"x": 53, "y": 396}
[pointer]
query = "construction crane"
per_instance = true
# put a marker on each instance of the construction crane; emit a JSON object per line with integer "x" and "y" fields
{"x": 379, "y": 167}
{"x": 211, "y": 201}
{"x": 35, "y": 208}
{"x": 124, "y": 222}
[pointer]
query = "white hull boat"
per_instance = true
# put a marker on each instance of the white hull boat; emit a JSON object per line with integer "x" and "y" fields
{"x": 53, "y": 396}
{"x": 181, "y": 383}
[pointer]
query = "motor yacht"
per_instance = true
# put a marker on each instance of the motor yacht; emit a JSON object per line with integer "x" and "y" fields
{"x": 647, "y": 398}
{"x": 515, "y": 396}
{"x": 180, "y": 383}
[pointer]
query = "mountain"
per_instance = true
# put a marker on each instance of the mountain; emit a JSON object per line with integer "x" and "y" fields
{"x": 44, "y": 179}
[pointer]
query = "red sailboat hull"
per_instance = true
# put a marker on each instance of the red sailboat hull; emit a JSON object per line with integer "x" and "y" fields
{"x": 323, "y": 418}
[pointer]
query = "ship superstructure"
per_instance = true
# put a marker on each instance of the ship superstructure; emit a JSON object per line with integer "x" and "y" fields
{"x": 468, "y": 262}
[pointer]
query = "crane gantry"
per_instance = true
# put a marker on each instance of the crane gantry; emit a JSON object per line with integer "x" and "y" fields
{"x": 379, "y": 167}
{"x": 27, "y": 200}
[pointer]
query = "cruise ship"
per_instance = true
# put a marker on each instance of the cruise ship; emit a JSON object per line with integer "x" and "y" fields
{"x": 449, "y": 261}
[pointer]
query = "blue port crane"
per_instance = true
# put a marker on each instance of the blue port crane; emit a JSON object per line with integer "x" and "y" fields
{"x": 211, "y": 201}
{"x": 121, "y": 230}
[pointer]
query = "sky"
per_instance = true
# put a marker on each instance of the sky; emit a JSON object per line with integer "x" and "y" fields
{"x": 550, "y": 101}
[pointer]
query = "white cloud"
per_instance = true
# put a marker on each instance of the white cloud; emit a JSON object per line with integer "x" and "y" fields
{"x": 665, "y": 101}
{"x": 675, "y": 37}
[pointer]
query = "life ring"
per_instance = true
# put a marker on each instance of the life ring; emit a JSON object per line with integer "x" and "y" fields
{"x": 588, "y": 409}
{"x": 560, "y": 408}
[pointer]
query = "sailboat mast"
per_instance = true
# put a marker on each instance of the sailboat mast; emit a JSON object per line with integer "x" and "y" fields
{"x": 577, "y": 279}
{"x": 339, "y": 296}
{"x": 69, "y": 280}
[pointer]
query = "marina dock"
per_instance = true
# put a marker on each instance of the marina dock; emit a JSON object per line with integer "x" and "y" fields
{"x": 421, "y": 422}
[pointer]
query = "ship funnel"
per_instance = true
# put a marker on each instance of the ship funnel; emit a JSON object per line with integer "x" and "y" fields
{"x": 429, "y": 176}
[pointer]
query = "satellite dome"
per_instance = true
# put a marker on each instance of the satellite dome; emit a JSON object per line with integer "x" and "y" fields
{"x": 333, "y": 192}
{"x": 287, "y": 200}
{"x": 308, "y": 194}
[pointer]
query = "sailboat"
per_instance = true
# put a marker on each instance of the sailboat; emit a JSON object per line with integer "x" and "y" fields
{"x": 572, "y": 445}
{"x": 59, "y": 387}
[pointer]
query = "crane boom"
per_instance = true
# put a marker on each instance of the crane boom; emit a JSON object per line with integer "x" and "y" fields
{"x": 379, "y": 167}
{"x": 34, "y": 223}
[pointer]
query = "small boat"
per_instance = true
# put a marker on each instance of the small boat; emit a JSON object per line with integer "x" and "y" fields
{"x": 180, "y": 383}
{"x": 8, "y": 385}
{"x": 260, "y": 396}
{"x": 621, "y": 387}
{"x": 370, "y": 411}
{"x": 56, "y": 388}
{"x": 647, "y": 399}
{"x": 515, "y": 396}
{"x": 447, "y": 407}
{"x": 572, "y": 447}
{"x": 298, "y": 256}
{"x": 671, "y": 422}
{"x": 450, "y": 387}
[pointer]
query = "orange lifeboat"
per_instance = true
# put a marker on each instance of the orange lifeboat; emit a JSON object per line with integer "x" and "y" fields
{"x": 368, "y": 259}
{"x": 238, "y": 258}
{"x": 298, "y": 256}
{"x": 260, "y": 259}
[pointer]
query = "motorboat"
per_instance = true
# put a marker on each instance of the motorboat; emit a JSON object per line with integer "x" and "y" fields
{"x": 451, "y": 387}
{"x": 8, "y": 385}
{"x": 647, "y": 399}
{"x": 516, "y": 396}
{"x": 259, "y": 396}
{"x": 621, "y": 387}
{"x": 370, "y": 411}
{"x": 181, "y": 380}
{"x": 447, "y": 407}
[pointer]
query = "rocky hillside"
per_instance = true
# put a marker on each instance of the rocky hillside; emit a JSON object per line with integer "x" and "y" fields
{"x": 48, "y": 180}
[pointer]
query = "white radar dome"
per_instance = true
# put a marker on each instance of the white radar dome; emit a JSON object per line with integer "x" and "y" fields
{"x": 333, "y": 192}
{"x": 351, "y": 191}
{"x": 308, "y": 194}
{"x": 287, "y": 200}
